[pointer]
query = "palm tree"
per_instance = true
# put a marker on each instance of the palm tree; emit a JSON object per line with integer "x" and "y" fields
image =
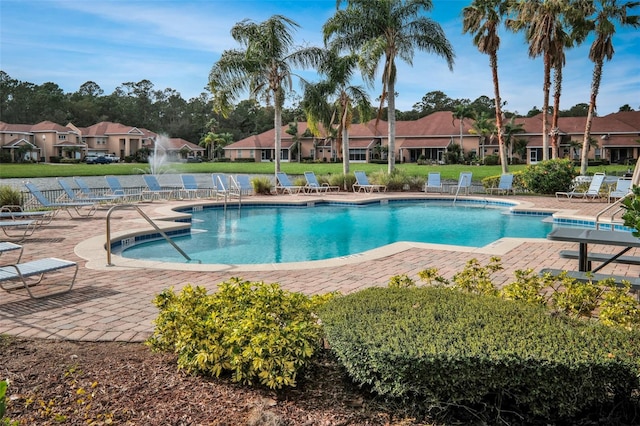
{"x": 485, "y": 128}
{"x": 482, "y": 18}
{"x": 542, "y": 21}
{"x": 603, "y": 25}
{"x": 462, "y": 112}
{"x": 263, "y": 68}
{"x": 390, "y": 29}
{"x": 337, "y": 113}
{"x": 511, "y": 129}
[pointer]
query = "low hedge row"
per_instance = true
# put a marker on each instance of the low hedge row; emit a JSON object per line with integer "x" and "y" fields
{"x": 436, "y": 344}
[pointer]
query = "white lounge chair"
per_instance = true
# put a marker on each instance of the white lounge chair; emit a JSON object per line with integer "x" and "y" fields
{"x": 156, "y": 191}
{"x": 18, "y": 230}
{"x": 117, "y": 190}
{"x": 71, "y": 195}
{"x": 622, "y": 189}
{"x": 592, "y": 192}
{"x": 314, "y": 185}
{"x": 6, "y": 247}
{"x": 190, "y": 188}
{"x": 16, "y": 276}
{"x": 56, "y": 206}
{"x": 362, "y": 184}
{"x": 433, "y": 182}
{"x": 86, "y": 191}
{"x": 285, "y": 185}
{"x": 41, "y": 217}
{"x": 464, "y": 183}
{"x": 243, "y": 184}
{"x": 505, "y": 185}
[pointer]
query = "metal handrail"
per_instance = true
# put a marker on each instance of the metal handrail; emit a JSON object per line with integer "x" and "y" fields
{"x": 151, "y": 222}
{"x": 617, "y": 204}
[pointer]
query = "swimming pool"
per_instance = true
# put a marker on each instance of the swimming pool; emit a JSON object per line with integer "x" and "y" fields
{"x": 279, "y": 234}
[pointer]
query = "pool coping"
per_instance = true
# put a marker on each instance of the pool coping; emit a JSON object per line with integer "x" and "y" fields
{"x": 167, "y": 216}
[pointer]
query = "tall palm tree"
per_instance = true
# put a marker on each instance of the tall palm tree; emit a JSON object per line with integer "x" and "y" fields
{"x": 461, "y": 113}
{"x": 542, "y": 21}
{"x": 604, "y": 26}
{"x": 482, "y": 18}
{"x": 331, "y": 102}
{"x": 264, "y": 67}
{"x": 388, "y": 29}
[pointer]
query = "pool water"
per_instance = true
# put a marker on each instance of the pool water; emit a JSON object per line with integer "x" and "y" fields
{"x": 280, "y": 234}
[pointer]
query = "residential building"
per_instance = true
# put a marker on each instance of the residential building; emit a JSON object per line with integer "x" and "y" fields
{"x": 49, "y": 142}
{"x": 615, "y": 138}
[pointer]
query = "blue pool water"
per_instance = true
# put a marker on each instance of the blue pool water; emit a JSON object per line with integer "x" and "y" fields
{"x": 291, "y": 234}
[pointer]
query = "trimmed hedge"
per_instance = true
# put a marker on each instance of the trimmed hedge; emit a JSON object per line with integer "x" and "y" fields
{"x": 435, "y": 344}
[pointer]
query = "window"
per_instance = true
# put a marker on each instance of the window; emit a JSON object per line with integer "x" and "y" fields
{"x": 239, "y": 153}
{"x": 252, "y": 153}
{"x": 284, "y": 154}
{"x": 359, "y": 154}
{"x": 62, "y": 137}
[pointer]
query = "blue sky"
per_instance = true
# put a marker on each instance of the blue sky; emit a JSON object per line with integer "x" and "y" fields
{"x": 174, "y": 43}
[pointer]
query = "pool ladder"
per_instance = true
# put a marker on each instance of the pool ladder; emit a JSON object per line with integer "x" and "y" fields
{"x": 617, "y": 205}
{"x": 150, "y": 221}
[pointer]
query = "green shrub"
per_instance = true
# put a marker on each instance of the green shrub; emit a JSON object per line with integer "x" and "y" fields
{"x": 491, "y": 160}
{"x": 549, "y": 177}
{"x": 631, "y": 215}
{"x": 257, "y": 332}
{"x": 262, "y": 185}
{"x": 434, "y": 346}
{"x": 10, "y": 196}
{"x": 345, "y": 182}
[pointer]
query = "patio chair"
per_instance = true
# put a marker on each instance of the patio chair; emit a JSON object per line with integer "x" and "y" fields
{"x": 155, "y": 191}
{"x": 243, "y": 184}
{"x": 433, "y": 182}
{"x": 592, "y": 192}
{"x": 362, "y": 184}
{"x": 56, "y": 206}
{"x": 70, "y": 194}
{"x": 20, "y": 273}
{"x": 464, "y": 183}
{"x": 314, "y": 185}
{"x": 18, "y": 230}
{"x": 6, "y": 247}
{"x": 86, "y": 191}
{"x": 505, "y": 185}
{"x": 222, "y": 185}
{"x": 285, "y": 185}
{"x": 622, "y": 189}
{"x": 190, "y": 188}
{"x": 41, "y": 217}
{"x": 117, "y": 190}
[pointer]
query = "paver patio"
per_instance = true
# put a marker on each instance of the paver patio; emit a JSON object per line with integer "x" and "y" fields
{"x": 114, "y": 303}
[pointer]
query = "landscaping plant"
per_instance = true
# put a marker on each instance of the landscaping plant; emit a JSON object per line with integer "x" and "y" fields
{"x": 256, "y": 332}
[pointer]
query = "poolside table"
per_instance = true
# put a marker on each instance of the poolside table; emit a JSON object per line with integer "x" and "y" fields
{"x": 584, "y": 237}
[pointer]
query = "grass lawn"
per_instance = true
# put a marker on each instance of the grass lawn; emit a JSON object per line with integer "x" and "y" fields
{"x": 447, "y": 171}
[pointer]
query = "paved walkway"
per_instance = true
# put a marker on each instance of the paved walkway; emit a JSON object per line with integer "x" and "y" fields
{"x": 114, "y": 303}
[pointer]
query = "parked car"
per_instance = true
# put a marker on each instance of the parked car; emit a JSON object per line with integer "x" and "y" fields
{"x": 97, "y": 159}
{"x": 194, "y": 160}
{"x": 114, "y": 158}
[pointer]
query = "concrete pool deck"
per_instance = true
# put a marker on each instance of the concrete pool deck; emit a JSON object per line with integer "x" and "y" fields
{"x": 114, "y": 302}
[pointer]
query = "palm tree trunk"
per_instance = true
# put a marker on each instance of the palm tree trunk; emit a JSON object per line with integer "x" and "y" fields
{"x": 461, "y": 138}
{"x": 595, "y": 87}
{"x": 391, "y": 116}
{"x": 345, "y": 150}
{"x": 277, "y": 122}
{"x": 556, "y": 111}
{"x": 496, "y": 89}
{"x": 545, "y": 108}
